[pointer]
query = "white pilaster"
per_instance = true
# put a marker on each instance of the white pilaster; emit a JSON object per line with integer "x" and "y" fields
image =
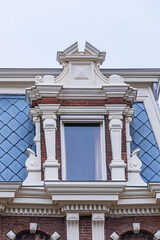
{"x": 117, "y": 165}
{"x": 51, "y": 165}
{"x": 72, "y": 226}
{"x": 98, "y": 226}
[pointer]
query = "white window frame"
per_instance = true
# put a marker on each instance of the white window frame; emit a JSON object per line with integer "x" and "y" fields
{"x": 83, "y": 119}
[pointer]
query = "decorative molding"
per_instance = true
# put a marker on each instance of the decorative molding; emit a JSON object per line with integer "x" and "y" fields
{"x": 134, "y": 170}
{"x": 157, "y": 235}
{"x": 33, "y": 227}
{"x": 98, "y": 226}
{"x": 84, "y": 191}
{"x": 11, "y": 235}
{"x": 72, "y": 226}
{"x": 33, "y": 167}
{"x": 114, "y": 236}
{"x": 72, "y": 216}
{"x": 136, "y": 227}
{"x": 55, "y": 236}
{"x": 85, "y": 208}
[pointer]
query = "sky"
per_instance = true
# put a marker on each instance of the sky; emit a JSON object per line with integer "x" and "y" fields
{"x": 32, "y": 31}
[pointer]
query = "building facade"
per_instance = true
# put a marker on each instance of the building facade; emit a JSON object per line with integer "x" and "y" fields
{"x": 79, "y": 151}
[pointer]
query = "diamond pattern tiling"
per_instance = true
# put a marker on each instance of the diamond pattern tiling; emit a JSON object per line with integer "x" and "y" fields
{"x": 143, "y": 138}
{"x": 16, "y": 135}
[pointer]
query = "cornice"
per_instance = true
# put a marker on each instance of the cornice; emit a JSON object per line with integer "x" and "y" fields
{"x": 33, "y": 72}
{"x": 51, "y": 199}
{"x": 124, "y": 91}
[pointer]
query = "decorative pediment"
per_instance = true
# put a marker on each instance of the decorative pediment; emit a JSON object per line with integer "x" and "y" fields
{"x": 81, "y": 68}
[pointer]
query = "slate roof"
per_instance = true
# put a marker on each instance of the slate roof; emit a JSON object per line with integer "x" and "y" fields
{"x": 16, "y": 135}
{"x": 143, "y": 138}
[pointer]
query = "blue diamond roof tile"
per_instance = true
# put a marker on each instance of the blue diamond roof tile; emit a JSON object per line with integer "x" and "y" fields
{"x": 16, "y": 135}
{"x": 143, "y": 138}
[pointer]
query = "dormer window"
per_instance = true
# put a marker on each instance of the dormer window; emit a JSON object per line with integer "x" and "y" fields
{"x": 81, "y": 98}
{"x": 83, "y": 148}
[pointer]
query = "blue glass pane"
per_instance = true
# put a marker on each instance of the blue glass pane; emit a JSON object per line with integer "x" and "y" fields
{"x": 83, "y": 154}
{"x": 16, "y": 135}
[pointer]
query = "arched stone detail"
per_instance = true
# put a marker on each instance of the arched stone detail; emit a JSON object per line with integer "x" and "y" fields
{"x": 123, "y": 229}
{"x": 26, "y": 235}
{"x": 26, "y": 228}
{"x": 142, "y": 235}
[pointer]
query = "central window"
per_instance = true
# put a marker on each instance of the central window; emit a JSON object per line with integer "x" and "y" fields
{"x": 82, "y": 155}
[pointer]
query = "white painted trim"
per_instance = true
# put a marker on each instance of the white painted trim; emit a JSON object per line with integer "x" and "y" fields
{"x": 84, "y": 119}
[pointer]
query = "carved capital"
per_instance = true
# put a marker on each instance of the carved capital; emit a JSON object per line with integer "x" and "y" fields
{"x": 98, "y": 217}
{"x": 49, "y": 123}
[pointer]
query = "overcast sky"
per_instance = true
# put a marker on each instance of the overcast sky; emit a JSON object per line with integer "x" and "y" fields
{"x": 32, "y": 31}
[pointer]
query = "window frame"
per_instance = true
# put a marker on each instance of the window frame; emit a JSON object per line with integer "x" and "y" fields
{"x": 83, "y": 119}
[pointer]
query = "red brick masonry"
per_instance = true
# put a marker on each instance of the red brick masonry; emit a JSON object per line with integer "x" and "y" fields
{"x": 48, "y": 225}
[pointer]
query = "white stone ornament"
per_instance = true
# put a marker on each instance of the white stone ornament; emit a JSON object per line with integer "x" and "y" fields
{"x": 116, "y": 79}
{"x": 55, "y": 236}
{"x": 33, "y": 227}
{"x": 97, "y": 216}
{"x": 46, "y": 80}
{"x": 136, "y": 227}
{"x": 114, "y": 236}
{"x": 11, "y": 235}
{"x": 157, "y": 235}
{"x": 134, "y": 170}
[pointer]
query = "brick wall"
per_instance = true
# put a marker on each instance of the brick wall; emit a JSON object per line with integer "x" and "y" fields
{"x": 20, "y": 226}
{"x": 78, "y": 102}
{"x": 123, "y": 226}
{"x": 85, "y": 228}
